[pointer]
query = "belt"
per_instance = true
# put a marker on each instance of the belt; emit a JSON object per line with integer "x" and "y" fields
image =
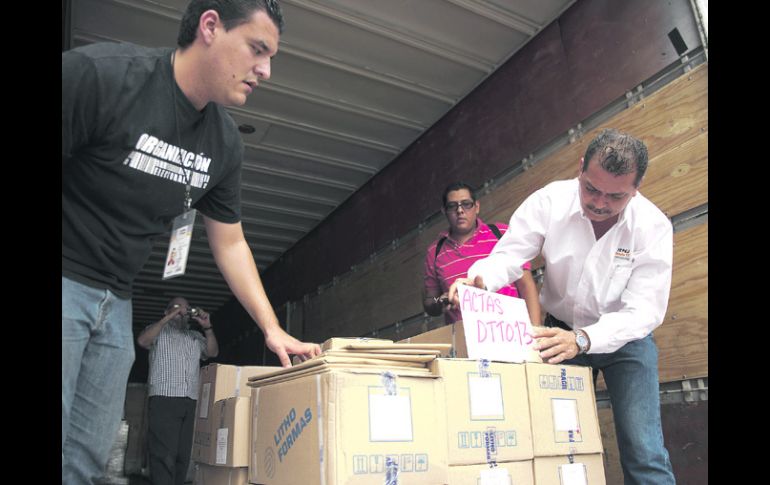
{"x": 551, "y": 321}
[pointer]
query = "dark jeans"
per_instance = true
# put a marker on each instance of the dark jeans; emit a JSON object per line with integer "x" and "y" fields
{"x": 631, "y": 375}
{"x": 170, "y": 438}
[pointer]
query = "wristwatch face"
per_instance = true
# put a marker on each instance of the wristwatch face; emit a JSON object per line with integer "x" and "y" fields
{"x": 581, "y": 341}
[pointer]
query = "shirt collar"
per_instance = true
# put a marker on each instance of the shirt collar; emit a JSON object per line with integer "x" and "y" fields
{"x": 575, "y": 209}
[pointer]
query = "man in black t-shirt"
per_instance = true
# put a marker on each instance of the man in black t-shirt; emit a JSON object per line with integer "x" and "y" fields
{"x": 144, "y": 131}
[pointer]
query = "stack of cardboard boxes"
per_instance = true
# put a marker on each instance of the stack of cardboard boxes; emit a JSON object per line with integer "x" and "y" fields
{"x": 354, "y": 416}
{"x": 397, "y": 414}
{"x": 548, "y": 412}
{"x": 565, "y": 425}
{"x": 221, "y": 437}
{"x": 488, "y": 424}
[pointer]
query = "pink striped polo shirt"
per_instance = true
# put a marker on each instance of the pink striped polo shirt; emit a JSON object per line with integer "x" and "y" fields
{"x": 454, "y": 260}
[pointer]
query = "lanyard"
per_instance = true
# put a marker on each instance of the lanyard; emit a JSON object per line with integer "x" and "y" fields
{"x": 182, "y": 228}
{"x": 188, "y": 174}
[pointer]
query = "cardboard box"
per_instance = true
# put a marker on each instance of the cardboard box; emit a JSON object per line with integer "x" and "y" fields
{"x": 349, "y": 426}
{"x": 562, "y": 407}
{"x": 557, "y": 470}
{"x": 448, "y": 334}
{"x": 218, "y": 382}
{"x": 510, "y": 473}
{"x": 488, "y": 414}
{"x": 229, "y": 443}
{"x": 219, "y": 475}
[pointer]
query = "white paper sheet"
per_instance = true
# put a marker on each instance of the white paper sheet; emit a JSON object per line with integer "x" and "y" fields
{"x": 497, "y": 327}
{"x": 494, "y": 476}
{"x": 390, "y": 417}
{"x": 565, "y": 414}
{"x": 486, "y": 396}
{"x": 222, "y": 445}
{"x": 573, "y": 474}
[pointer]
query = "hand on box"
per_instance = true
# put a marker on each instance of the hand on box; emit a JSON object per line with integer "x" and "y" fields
{"x": 555, "y": 344}
{"x": 284, "y": 344}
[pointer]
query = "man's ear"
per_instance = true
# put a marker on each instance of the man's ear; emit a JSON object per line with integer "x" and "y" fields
{"x": 207, "y": 26}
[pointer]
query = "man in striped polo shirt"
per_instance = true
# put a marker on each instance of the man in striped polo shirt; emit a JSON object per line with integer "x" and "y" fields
{"x": 175, "y": 354}
{"x": 466, "y": 241}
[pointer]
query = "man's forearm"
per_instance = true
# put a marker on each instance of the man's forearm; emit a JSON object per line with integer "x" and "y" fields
{"x": 149, "y": 334}
{"x": 247, "y": 288}
{"x": 237, "y": 265}
{"x": 212, "y": 346}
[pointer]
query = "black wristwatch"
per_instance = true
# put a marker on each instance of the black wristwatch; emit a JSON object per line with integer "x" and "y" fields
{"x": 581, "y": 339}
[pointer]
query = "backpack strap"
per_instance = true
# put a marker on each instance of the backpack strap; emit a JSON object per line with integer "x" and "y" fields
{"x": 494, "y": 230}
{"x": 438, "y": 248}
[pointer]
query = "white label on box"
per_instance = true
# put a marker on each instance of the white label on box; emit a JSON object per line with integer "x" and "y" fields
{"x": 573, "y": 474}
{"x": 205, "y": 393}
{"x": 565, "y": 414}
{"x": 390, "y": 417}
{"x": 222, "y": 446}
{"x": 494, "y": 476}
{"x": 486, "y": 396}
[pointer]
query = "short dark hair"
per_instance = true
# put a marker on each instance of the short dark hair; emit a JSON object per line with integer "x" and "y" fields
{"x": 619, "y": 154}
{"x": 232, "y": 13}
{"x": 458, "y": 186}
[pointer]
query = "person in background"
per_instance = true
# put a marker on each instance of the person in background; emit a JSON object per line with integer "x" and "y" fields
{"x": 608, "y": 253}
{"x": 467, "y": 240}
{"x": 172, "y": 386}
{"x": 146, "y": 137}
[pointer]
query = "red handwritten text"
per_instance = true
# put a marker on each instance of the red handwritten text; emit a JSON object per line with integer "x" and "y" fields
{"x": 481, "y": 303}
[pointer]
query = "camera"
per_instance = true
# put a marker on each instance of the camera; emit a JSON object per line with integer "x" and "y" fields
{"x": 194, "y": 312}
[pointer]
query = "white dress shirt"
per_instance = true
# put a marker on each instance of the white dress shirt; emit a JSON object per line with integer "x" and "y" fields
{"x": 615, "y": 288}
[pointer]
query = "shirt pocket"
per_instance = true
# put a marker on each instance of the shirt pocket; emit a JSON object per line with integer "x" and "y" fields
{"x": 617, "y": 283}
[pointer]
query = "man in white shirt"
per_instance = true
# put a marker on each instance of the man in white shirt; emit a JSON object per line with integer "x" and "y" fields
{"x": 608, "y": 255}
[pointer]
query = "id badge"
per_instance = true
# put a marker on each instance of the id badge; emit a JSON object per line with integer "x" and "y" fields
{"x": 179, "y": 246}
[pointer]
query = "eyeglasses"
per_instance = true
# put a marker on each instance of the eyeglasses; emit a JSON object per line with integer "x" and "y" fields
{"x": 465, "y": 204}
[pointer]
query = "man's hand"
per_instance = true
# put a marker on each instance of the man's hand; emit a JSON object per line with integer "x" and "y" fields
{"x": 284, "y": 344}
{"x": 203, "y": 320}
{"x": 555, "y": 344}
{"x": 454, "y": 298}
{"x": 174, "y": 312}
{"x": 435, "y": 305}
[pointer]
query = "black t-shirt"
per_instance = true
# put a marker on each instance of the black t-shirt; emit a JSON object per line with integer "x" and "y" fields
{"x": 124, "y": 169}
